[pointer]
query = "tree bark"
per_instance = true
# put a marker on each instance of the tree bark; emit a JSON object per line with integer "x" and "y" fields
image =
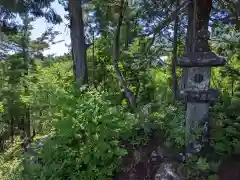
{"x": 128, "y": 93}
{"x": 78, "y": 41}
{"x": 188, "y": 46}
{"x": 25, "y": 38}
{"x": 93, "y": 59}
{"x": 174, "y": 58}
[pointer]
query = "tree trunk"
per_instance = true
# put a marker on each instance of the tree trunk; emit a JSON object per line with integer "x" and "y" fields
{"x": 74, "y": 65}
{"x": 174, "y": 58}
{"x": 127, "y": 32}
{"x": 25, "y": 37}
{"x": 188, "y": 46}
{"x": 11, "y": 120}
{"x": 93, "y": 60}
{"x": 128, "y": 93}
{"x": 78, "y": 41}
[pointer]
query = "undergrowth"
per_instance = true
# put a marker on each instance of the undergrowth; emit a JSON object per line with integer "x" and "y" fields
{"x": 80, "y": 134}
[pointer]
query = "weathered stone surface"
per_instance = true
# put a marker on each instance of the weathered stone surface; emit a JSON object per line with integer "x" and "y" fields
{"x": 201, "y": 59}
{"x": 167, "y": 171}
{"x": 153, "y": 161}
{"x": 205, "y": 82}
{"x": 200, "y": 96}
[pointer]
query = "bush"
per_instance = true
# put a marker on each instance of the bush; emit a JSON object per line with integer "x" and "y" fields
{"x": 82, "y": 130}
{"x": 86, "y": 142}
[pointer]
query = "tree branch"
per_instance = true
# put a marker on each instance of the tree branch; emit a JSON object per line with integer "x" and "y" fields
{"x": 128, "y": 93}
{"x": 167, "y": 21}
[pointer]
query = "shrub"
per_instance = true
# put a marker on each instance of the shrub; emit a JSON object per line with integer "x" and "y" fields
{"x": 82, "y": 129}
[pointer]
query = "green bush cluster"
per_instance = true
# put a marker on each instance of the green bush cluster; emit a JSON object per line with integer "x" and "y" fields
{"x": 84, "y": 130}
{"x": 86, "y": 140}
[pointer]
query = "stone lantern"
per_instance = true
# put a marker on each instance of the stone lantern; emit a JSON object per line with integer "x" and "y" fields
{"x": 198, "y": 93}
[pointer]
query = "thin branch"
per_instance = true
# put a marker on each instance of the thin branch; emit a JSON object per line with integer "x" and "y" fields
{"x": 128, "y": 93}
{"x": 158, "y": 29}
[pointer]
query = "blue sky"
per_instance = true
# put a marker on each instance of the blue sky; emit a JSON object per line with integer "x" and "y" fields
{"x": 40, "y": 25}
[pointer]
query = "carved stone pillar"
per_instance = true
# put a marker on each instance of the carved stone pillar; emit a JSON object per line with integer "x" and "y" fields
{"x": 199, "y": 63}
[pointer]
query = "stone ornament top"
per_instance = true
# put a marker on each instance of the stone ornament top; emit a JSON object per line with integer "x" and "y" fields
{"x": 201, "y": 59}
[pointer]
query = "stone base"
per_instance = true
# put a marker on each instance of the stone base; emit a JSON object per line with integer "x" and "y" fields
{"x": 153, "y": 161}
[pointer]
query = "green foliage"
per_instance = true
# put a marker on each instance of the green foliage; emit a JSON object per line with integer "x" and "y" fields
{"x": 86, "y": 139}
{"x": 169, "y": 117}
{"x": 80, "y": 130}
{"x": 84, "y": 130}
{"x": 226, "y": 133}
